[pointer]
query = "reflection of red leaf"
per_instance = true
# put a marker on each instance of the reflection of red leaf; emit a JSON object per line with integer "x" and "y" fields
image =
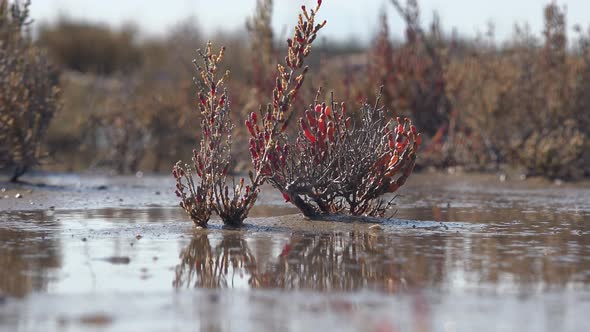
{"x": 286, "y": 250}
{"x": 384, "y": 326}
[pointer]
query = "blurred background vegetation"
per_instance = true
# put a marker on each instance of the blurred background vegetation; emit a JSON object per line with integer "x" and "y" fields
{"x": 127, "y": 103}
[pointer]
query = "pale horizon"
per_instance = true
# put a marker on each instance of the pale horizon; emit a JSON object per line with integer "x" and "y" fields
{"x": 346, "y": 19}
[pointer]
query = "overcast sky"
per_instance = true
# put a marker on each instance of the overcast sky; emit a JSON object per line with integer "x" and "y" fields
{"x": 346, "y": 18}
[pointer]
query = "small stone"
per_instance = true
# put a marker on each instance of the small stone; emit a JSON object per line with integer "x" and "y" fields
{"x": 18, "y": 195}
{"x": 376, "y": 227}
{"x": 84, "y": 239}
{"x": 138, "y": 237}
{"x": 158, "y": 193}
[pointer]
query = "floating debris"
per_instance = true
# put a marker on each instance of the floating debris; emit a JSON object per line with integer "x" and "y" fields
{"x": 96, "y": 319}
{"x": 122, "y": 260}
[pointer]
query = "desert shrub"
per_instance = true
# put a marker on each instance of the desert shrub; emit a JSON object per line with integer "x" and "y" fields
{"x": 28, "y": 92}
{"x": 338, "y": 165}
{"x": 262, "y": 51}
{"x": 135, "y": 127}
{"x": 413, "y": 81}
{"x": 211, "y": 162}
{"x": 479, "y": 87}
{"x": 88, "y": 47}
{"x": 412, "y": 76}
{"x": 556, "y": 143}
{"x": 129, "y": 122}
{"x": 335, "y": 165}
{"x": 523, "y": 104}
{"x": 211, "y": 193}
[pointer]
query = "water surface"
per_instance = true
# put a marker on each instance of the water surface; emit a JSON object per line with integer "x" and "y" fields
{"x": 462, "y": 253}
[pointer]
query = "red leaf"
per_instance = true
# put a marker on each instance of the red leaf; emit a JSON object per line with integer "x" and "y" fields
{"x": 286, "y": 197}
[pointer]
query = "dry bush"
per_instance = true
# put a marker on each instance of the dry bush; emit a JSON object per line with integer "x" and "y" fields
{"x": 210, "y": 192}
{"x": 557, "y": 145}
{"x": 87, "y": 47}
{"x": 415, "y": 86}
{"x": 130, "y": 122}
{"x": 523, "y": 105}
{"x": 478, "y": 87}
{"x": 28, "y": 92}
{"x": 262, "y": 51}
{"x": 334, "y": 166}
{"x": 341, "y": 166}
{"x": 136, "y": 128}
{"x": 412, "y": 76}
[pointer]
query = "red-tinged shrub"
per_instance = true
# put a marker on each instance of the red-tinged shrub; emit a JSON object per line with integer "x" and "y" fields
{"x": 211, "y": 163}
{"x": 412, "y": 74}
{"x": 338, "y": 165}
{"x": 210, "y": 191}
{"x": 335, "y": 165}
